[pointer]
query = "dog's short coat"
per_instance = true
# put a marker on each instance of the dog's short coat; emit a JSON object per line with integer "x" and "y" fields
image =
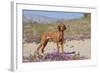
{"x": 57, "y": 37}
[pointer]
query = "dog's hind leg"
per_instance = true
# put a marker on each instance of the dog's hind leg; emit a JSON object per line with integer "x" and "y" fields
{"x": 38, "y": 49}
{"x": 43, "y": 45}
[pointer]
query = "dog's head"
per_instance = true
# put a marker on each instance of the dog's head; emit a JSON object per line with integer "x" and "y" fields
{"x": 61, "y": 27}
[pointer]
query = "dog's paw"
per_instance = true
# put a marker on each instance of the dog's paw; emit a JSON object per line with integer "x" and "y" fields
{"x": 41, "y": 54}
{"x": 36, "y": 53}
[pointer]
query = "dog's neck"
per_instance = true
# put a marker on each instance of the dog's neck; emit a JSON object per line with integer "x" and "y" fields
{"x": 62, "y": 33}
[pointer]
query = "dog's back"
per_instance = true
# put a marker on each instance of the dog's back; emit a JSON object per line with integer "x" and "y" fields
{"x": 51, "y": 36}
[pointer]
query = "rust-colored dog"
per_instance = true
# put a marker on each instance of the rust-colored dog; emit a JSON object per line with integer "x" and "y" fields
{"x": 57, "y": 37}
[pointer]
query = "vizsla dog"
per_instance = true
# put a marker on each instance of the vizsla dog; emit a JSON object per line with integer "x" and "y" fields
{"x": 57, "y": 37}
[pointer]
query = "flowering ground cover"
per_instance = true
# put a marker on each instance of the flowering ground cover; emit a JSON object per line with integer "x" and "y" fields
{"x": 54, "y": 56}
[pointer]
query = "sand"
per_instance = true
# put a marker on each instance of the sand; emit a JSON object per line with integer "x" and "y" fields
{"x": 80, "y": 46}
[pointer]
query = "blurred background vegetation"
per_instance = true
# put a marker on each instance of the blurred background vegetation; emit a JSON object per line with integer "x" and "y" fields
{"x": 75, "y": 27}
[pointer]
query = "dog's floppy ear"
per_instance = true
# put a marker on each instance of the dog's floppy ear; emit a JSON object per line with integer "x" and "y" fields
{"x": 58, "y": 27}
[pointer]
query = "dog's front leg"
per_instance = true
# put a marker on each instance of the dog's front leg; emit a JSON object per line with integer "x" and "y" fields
{"x": 58, "y": 46}
{"x": 62, "y": 48}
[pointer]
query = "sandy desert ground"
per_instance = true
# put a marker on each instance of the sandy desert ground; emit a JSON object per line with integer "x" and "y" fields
{"x": 81, "y": 46}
